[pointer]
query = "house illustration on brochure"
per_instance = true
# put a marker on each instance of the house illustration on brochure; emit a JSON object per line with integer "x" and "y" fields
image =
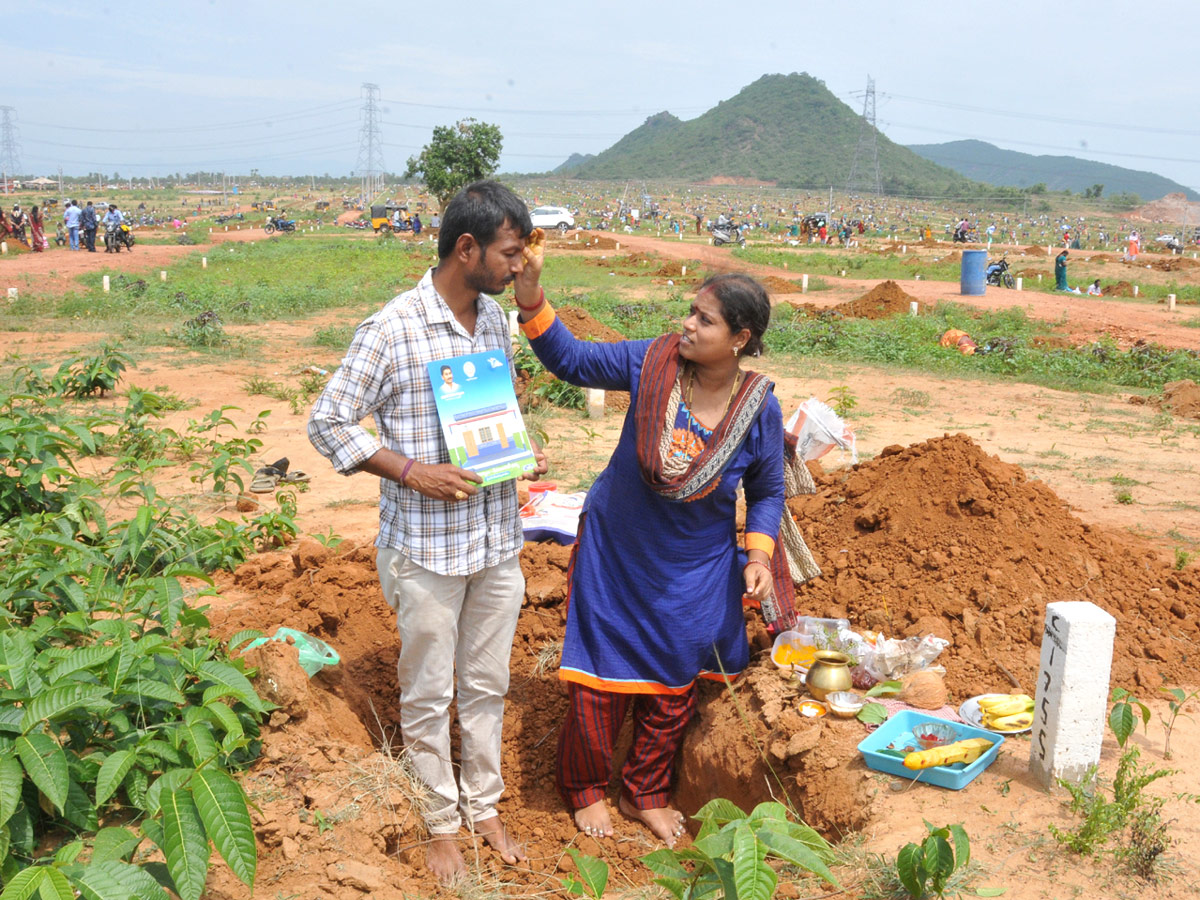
{"x": 481, "y": 421}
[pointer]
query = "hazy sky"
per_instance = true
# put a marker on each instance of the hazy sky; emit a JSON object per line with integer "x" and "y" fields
{"x": 146, "y": 88}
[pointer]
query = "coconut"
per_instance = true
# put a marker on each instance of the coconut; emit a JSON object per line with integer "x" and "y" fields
{"x": 924, "y": 690}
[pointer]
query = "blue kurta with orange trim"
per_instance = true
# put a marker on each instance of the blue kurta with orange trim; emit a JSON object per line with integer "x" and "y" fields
{"x": 657, "y": 585}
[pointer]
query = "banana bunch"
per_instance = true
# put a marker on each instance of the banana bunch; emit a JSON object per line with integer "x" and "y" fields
{"x": 1006, "y": 712}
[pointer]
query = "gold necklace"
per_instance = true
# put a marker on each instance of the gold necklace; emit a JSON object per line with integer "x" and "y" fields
{"x": 692, "y": 381}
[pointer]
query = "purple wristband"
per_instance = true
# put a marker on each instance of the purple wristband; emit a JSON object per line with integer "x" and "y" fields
{"x": 404, "y": 475}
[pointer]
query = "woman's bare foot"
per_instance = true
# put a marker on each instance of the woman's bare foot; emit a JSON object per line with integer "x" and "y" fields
{"x": 594, "y": 820}
{"x": 444, "y": 860}
{"x": 664, "y": 821}
{"x": 498, "y": 839}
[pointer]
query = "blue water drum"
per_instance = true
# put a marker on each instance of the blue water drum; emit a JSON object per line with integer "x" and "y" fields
{"x": 973, "y": 281}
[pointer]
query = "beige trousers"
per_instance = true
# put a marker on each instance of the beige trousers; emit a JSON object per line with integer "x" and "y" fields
{"x": 453, "y": 623}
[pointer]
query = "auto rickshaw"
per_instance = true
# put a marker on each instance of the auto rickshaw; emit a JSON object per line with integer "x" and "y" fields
{"x": 381, "y": 217}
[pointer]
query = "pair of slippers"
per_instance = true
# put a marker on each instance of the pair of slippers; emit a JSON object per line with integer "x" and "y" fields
{"x": 267, "y": 478}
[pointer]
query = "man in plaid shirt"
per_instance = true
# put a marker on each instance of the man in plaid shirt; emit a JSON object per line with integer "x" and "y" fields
{"x": 447, "y": 550}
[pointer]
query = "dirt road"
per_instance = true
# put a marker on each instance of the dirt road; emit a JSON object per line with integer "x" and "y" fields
{"x": 1088, "y": 317}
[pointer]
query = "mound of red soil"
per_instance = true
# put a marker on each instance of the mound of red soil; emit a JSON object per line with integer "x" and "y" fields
{"x": 884, "y": 300}
{"x": 776, "y": 285}
{"x": 936, "y": 538}
{"x": 940, "y": 537}
{"x": 1120, "y": 289}
{"x": 1181, "y": 398}
{"x": 586, "y": 328}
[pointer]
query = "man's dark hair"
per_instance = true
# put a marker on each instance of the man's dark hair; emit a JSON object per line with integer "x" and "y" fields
{"x": 446, "y": 369}
{"x": 480, "y": 210}
{"x": 744, "y": 304}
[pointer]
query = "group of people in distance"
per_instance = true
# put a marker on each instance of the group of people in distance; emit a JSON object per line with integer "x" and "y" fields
{"x": 77, "y": 228}
{"x": 644, "y": 623}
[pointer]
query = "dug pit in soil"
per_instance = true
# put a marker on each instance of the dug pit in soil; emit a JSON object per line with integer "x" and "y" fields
{"x": 935, "y": 538}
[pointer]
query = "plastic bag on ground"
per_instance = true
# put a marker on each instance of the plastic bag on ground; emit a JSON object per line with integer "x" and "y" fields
{"x": 551, "y": 516}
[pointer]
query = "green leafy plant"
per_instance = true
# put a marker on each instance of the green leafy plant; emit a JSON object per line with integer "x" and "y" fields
{"x": 1182, "y": 558}
{"x": 593, "y": 876}
{"x": 1122, "y": 718}
{"x": 1178, "y": 699}
{"x": 843, "y": 399}
{"x": 328, "y": 538}
{"x": 926, "y": 867}
{"x": 729, "y": 856}
{"x": 79, "y": 377}
{"x": 202, "y": 332}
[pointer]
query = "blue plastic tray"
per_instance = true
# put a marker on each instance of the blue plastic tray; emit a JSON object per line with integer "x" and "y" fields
{"x": 898, "y": 730}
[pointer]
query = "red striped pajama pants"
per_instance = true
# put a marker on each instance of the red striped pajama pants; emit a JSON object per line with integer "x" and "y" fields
{"x": 589, "y": 736}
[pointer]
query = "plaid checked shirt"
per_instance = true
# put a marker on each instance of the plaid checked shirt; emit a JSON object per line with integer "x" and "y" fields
{"x": 384, "y": 375}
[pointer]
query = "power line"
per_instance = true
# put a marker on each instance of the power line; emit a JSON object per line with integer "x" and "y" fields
{"x": 215, "y": 163}
{"x": 339, "y": 128}
{"x": 1072, "y": 150}
{"x": 486, "y": 110}
{"x": 219, "y": 126}
{"x": 1061, "y": 120}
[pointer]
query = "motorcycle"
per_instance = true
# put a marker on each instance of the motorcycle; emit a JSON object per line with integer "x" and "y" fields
{"x": 113, "y": 238}
{"x": 275, "y": 223}
{"x": 125, "y": 235}
{"x": 998, "y": 275}
{"x": 727, "y": 234}
{"x": 965, "y": 236}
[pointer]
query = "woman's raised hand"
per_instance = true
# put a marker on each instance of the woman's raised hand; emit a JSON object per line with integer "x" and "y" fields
{"x": 527, "y": 281}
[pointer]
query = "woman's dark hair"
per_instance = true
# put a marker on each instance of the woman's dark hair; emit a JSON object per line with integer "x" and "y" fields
{"x": 480, "y": 210}
{"x": 744, "y": 304}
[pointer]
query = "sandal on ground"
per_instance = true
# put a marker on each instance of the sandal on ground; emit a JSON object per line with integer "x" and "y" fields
{"x": 264, "y": 482}
{"x": 296, "y": 477}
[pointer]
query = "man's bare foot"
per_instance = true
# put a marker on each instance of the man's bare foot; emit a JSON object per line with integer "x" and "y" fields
{"x": 664, "y": 821}
{"x": 594, "y": 820}
{"x": 444, "y": 860}
{"x": 498, "y": 839}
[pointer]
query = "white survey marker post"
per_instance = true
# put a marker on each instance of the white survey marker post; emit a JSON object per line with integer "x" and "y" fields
{"x": 1072, "y": 691}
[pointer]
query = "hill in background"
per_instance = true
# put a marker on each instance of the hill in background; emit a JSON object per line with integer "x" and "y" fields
{"x": 784, "y": 129}
{"x": 982, "y": 161}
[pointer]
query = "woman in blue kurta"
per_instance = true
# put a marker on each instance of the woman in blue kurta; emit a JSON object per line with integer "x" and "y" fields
{"x": 657, "y": 580}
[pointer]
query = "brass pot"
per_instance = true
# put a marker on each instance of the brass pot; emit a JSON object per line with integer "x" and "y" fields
{"x": 830, "y": 672}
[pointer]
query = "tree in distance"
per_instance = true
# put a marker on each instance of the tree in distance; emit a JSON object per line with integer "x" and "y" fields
{"x": 458, "y": 155}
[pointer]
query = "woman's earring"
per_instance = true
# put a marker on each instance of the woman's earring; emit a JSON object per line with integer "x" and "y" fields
{"x": 735, "y": 351}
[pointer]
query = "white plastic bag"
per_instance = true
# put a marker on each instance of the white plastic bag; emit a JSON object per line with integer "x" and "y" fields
{"x": 551, "y": 516}
{"x": 818, "y": 430}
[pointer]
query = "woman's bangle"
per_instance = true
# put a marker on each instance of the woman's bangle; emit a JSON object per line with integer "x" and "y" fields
{"x": 541, "y": 300}
{"x": 756, "y": 562}
{"x": 404, "y": 474}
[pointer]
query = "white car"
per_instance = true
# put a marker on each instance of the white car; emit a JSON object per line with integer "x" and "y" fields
{"x": 552, "y": 217}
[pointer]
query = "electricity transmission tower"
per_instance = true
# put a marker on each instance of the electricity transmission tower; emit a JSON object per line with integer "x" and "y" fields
{"x": 370, "y": 145}
{"x": 10, "y": 145}
{"x": 864, "y": 171}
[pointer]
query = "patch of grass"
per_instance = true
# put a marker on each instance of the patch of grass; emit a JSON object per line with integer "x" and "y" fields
{"x": 264, "y": 281}
{"x": 1123, "y": 481}
{"x": 912, "y": 341}
{"x": 1124, "y": 497}
{"x": 334, "y": 337}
